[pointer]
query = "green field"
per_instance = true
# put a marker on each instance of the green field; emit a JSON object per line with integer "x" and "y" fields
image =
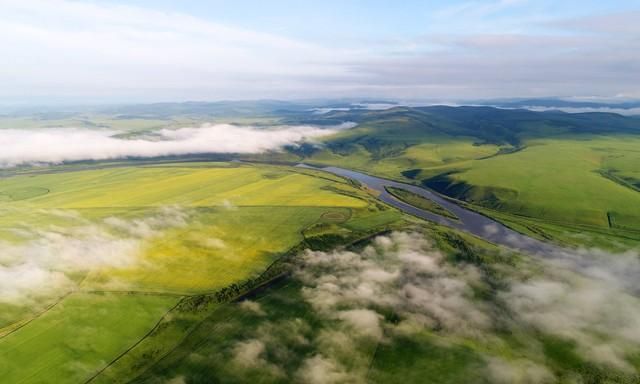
{"x": 272, "y": 337}
{"x": 558, "y": 180}
{"x": 78, "y": 336}
{"x": 217, "y": 185}
{"x": 420, "y": 202}
{"x": 208, "y": 353}
{"x": 196, "y": 228}
{"x": 574, "y": 171}
{"x": 192, "y": 272}
{"x": 241, "y": 217}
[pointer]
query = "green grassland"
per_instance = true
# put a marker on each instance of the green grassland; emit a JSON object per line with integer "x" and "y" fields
{"x": 420, "y": 202}
{"x": 568, "y": 185}
{"x": 579, "y": 172}
{"x": 289, "y": 325}
{"x": 177, "y": 314}
{"x": 78, "y": 336}
{"x": 207, "y": 354}
{"x": 255, "y": 213}
{"x": 240, "y": 220}
{"x": 171, "y": 185}
{"x": 557, "y": 180}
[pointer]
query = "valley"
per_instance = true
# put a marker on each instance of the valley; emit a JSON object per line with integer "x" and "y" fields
{"x": 175, "y": 267}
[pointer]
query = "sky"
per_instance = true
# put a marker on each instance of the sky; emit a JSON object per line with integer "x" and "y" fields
{"x": 61, "y": 51}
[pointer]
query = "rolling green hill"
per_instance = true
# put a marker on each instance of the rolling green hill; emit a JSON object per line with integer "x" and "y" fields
{"x": 239, "y": 272}
{"x": 579, "y": 171}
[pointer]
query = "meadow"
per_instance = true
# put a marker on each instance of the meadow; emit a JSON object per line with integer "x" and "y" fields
{"x": 204, "y": 271}
{"x": 420, "y": 202}
{"x": 189, "y": 229}
{"x": 571, "y": 171}
{"x": 284, "y": 333}
{"x": 68, "y": 342}
{"x": 559, "y": 180}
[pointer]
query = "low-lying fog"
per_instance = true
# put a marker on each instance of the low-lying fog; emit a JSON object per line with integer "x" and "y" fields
{"x": 57, "y": 145}
{"x": 405, "y": 274}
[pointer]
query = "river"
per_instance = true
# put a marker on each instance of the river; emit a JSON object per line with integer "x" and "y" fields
{"x": 469, "y": 221}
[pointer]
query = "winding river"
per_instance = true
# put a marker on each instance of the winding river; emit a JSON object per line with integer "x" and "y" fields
{"x": 469, "y": 221}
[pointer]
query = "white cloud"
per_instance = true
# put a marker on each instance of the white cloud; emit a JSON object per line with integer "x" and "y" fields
{"x": 401, "y": 272}
{"x": 212, "y": 242}
{"x": 59, "y": 46}
{"x": 56, "y": 145}
{"x": 518, "y": 371}
{"x": 59, "y": 49}
{"x": 43, "y": 262}
{"x": 582, "y": 296}
{"x": 588, "y": 296}
{"x": 363, "y": 321}
{"x": 350, "y": 292}
{"x": 613, "y": 109}
{"x": 490, "y": 229}
{"x": 253, "y": 307}
{"x": 28, "y": 281}
{"x": 323, "y": 370}
{"x": 249, "y": 353}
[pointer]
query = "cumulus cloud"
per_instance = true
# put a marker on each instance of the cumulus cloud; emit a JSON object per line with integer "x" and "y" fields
{"x": 28, "y": 280}
{"x": 490, "y": 229}
{"x": 350, "y": 293}
{"x": 166, "y": 217}
{"x": 402, "y": 272}
{"x": 323, "y": 370}
{"x": 618, "y": 270}
{"x": 582, "y": 296}
{"x": 586, "y": 295}
{"x": 363, "y": 321}
{"x": 252, "y": 306}
{"x": 249, "y": 353}
{"x": 212, "y": 242}
{"x": 586, "y": 300}
{"x": 56, "y": 145}
{"x": 44, "y": 261}
{"x": 518, "y": 371}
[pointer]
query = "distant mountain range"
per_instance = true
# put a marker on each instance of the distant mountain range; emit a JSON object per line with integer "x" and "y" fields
{"x": 554, "y": 103}
{"x": 317, "y": 107}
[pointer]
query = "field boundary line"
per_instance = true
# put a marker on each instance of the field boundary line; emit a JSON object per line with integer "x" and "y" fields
{"x": 37, "y": 315}
{"x": 156, "y": 325}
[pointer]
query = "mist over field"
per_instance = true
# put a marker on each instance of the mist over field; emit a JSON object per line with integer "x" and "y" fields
{"x": 43, "y": 262}
{"x": 354, "y": 292}
{"x": 589, "y": 296}
{"x": 57, "y": 145}
{"x": 401, "y": 285}
{"x": 336, "y": 192}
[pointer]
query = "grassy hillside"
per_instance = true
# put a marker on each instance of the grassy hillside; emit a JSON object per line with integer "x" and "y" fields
{"x": 574, "y": 170}
{"x": 557, "y": 179}
{"x": 420, "y": 202}
{"x": 230, "y": 272}
{"x": 301, "y": 329}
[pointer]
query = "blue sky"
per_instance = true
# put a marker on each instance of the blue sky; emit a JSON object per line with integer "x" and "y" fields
{"x": 143, "y": 50}
{"x": 380, "y": 18}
